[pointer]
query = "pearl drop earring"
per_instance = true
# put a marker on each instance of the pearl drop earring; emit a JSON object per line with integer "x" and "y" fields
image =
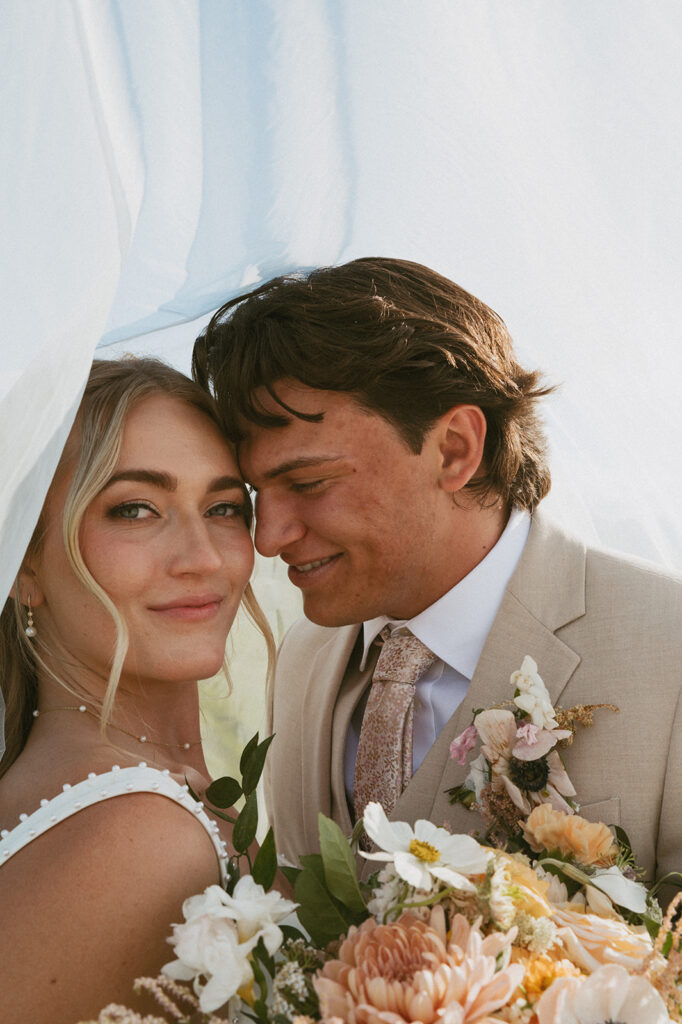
{"x": 30, "y": 630}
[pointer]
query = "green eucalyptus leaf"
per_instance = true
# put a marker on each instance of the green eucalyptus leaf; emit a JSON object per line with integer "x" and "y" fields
{"x": 290, "y": 873}
{"x": 224, "y": 792}
{"x": 265, "y": 864}
{"x": 317, "y": 911}
{"x": 340, "y": 869}
{"x": 253, "y": 766}
{"x": 244, "y": 831}
{"x": 313, "y": 862}
{"x": 247, "y": 751}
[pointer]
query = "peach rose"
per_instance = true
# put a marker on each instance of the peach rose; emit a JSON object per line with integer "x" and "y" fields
{"x": 589, "y": 842}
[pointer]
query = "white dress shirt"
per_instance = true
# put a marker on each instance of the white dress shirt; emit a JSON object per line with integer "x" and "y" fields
{"x": 455, "y": 628}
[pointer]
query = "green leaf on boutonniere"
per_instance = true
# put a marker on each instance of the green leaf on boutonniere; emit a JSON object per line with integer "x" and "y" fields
{"x": 265, "y": 864}
{"x": 253, "y": 765}
{"x": 340, "y": 870}
{"x": 224, "y": 792}
{"x": 462, "y": 795}
{"x": 244, "y": 831}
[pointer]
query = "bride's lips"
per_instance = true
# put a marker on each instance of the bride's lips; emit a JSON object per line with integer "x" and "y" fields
{"x": 305, "y": 574}
{"x": 191, "y": 608}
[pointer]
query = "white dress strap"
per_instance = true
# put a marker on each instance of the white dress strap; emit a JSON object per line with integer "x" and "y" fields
{"x": 96, "y": 788}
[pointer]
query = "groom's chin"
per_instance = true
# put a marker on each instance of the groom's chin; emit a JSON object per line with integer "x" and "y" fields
{"x": 329, "y": 613}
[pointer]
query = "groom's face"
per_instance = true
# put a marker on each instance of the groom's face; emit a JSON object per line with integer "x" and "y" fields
{"x": 352, "y": 511}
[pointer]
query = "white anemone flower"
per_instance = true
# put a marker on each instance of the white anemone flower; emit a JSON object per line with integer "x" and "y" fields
{"x": 424, "y": 853}
{"x": 610, "y": 994}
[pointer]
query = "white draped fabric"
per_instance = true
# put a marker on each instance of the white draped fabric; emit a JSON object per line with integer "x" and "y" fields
{"x": 163, "y": 155}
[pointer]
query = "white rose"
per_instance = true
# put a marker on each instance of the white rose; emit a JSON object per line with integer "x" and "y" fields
{"x": 219, "y": 934}
{"x": 209, "y": 945}
{"x": 257, "y": 912}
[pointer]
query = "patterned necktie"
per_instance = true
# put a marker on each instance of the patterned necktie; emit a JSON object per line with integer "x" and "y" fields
{"x": 384, "y": 762}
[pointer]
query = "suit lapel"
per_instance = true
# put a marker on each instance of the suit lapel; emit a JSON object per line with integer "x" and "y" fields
{"x": 546, "y": 592}
{"x": 325, "y": 678}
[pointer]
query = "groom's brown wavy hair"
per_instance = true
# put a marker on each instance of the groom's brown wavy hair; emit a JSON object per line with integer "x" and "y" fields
{"x": 404, "y": 341}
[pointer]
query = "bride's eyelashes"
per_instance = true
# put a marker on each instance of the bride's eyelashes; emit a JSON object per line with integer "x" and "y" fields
{"x": 230, "y": 510}
{"x": 134, "y": 511}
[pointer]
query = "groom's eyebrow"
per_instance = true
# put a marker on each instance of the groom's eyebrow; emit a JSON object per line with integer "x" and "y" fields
{"x": 304, "y": 462}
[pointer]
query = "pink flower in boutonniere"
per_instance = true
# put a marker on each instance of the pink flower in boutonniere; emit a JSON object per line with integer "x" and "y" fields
{"x": 462, "y": 744}
{"x": 545, "y": 782}
{"x": 533, "y": 743}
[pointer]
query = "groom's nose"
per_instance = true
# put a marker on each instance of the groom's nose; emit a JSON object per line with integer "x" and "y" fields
{"x": 277, "y": 524}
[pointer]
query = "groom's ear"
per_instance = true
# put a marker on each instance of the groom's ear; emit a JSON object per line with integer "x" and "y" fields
{"x": 460, "y": 433}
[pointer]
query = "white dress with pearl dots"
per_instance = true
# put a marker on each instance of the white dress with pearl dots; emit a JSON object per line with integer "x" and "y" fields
{"x": 96, "y": 788}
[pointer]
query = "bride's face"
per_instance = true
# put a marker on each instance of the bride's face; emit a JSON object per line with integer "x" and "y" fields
{"x": 167, "y": 539}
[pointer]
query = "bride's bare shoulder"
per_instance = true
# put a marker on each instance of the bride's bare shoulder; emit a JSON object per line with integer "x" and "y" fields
{"x": 112, "y": 876}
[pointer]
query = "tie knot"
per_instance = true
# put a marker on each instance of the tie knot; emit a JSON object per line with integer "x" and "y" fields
{"x": 403, "y": 658}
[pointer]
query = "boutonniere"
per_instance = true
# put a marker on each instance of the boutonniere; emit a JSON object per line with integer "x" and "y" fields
{"x": 519, "y": 766}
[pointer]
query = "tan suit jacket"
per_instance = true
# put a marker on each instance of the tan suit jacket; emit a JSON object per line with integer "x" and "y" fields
{"x": 601, "y": 629}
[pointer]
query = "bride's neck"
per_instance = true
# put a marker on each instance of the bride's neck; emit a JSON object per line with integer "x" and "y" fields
{"x": 157, "y": 724}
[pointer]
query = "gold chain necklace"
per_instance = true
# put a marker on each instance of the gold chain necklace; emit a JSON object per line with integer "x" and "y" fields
{"x": 141, "y": 739}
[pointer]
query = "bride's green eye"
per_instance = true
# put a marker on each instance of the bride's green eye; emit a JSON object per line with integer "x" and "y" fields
{"x": 227, "y": 509}
{"x": 132, "y": 510}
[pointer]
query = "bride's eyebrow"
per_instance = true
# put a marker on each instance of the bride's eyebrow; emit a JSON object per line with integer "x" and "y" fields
{"x": 168, "y": 482}
{"x": 144, "y": 476}
{"x": 227, "y": 483}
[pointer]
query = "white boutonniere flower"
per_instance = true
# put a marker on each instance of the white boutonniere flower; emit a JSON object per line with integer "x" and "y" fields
{"x": 531, "y": 695}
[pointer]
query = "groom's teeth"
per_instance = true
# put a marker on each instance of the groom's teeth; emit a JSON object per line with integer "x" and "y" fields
{"x": 313, "y": 565}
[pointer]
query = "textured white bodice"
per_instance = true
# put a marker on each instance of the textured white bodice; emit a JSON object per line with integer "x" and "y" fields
{"x": 96, "y": 788}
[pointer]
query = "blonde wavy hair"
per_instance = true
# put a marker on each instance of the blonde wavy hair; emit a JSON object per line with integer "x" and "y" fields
{"x": 93, "y": 449}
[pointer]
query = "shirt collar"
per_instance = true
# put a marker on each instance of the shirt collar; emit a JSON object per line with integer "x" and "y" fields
{"x": 455, "y": 627}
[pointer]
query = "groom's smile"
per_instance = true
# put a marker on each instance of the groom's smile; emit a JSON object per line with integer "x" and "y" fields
{"x": 348, "y": 506}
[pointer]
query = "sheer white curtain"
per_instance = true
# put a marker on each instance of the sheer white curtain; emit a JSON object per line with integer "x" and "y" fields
{"x": 162, "y": 155}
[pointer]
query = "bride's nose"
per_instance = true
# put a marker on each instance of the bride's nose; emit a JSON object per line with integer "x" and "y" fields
{"x": 193, "y": 549}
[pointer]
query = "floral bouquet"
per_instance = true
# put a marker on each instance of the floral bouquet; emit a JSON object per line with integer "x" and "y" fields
{"x": 543, "y": 920}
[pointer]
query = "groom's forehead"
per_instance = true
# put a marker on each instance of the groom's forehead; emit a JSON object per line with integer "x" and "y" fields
{"x": 314, "y": 427}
